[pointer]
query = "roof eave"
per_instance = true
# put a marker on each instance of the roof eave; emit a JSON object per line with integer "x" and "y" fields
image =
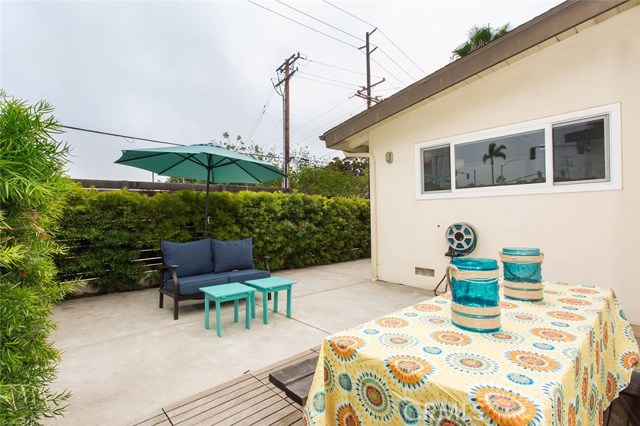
{"x": 538, "y": 30}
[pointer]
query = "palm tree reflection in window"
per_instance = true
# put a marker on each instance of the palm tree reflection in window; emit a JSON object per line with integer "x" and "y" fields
{"x": 495, "y": 151}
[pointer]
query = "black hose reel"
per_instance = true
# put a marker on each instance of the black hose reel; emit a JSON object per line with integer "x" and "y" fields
{"x": 461, "y": 239}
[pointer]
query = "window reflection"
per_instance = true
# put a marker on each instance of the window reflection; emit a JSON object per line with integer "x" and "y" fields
{"x": 436, "y": 169}
{"x": 509, "y": 160}
{"x": 579, "y": 151}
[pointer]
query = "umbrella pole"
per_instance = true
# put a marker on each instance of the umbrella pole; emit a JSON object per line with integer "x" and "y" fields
{"x": 206, "y": 202}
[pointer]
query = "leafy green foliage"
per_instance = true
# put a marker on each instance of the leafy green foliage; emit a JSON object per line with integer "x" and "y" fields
{"x": 348, "y": 177}
{"x": 32, "y": 190}
{"x": 478, "y": 37}
{"x": 106, "y": 231}
{"x": 340, "y": 178}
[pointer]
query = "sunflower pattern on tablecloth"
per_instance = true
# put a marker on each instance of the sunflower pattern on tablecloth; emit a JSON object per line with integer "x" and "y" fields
{"x": 345, "y": 382}
{"x": 504, "y": 337}
{"x": 503, "y": 407}
{"x": 318, "y": 402}
{"x": 559, "y": 361}
{"x": 307, "y": 419}
{"x": 398, "y": 340}
{"x": 524, "y": 317}
{"x": 435, "y": 320}
{"x": 346, "y": 416}
{"x": 566, "y": 316}
{"x": 552, "y": 334}
{"x": 374, "y": 396}
{"x": 451, "y": 338}
{"x": 532, "y": 361}
{"x": 425, "y": 307}
{"x": 410, "y": 371}
{"x": 328, "y": 375}
{"x": 409, "y": 412}
{"x": 472, "y": 363}
{"x": 392, "y": 322}
{"x": 445, "y": 413}
{"x": 345, "y": 346}
{"x": 520, "y": 379}
{"x": 555, "y": 393}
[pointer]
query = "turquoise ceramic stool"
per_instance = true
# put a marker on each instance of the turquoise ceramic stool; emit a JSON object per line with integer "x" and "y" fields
{"x": 272, "y": 285}
{"x": 227, "y": 292}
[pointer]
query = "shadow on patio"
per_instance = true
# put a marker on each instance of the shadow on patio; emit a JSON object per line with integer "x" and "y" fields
{"x": 123, "y": 357}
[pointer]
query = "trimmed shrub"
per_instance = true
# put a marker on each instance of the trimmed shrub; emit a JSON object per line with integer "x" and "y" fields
{"x": 106, "y": 231}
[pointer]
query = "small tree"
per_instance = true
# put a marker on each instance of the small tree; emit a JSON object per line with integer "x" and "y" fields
{"x": 478, "y": 37}
{"x": 348, "y": 177}
{"x": 32, "y": 189}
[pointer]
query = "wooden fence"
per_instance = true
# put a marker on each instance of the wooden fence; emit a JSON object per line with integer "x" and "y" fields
{"x": 153, "y": 187}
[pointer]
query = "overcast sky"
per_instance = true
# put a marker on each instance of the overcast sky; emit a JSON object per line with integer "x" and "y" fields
{"x": 186, "y": 72}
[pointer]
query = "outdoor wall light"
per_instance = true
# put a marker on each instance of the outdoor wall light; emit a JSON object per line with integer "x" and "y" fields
{"x": 389, "y": 157}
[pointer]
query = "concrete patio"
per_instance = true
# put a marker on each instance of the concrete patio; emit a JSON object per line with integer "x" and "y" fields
{"x": 123, "y": 357}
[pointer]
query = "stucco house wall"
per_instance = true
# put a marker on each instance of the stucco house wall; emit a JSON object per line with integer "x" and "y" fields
{"x": 587, "y": 237}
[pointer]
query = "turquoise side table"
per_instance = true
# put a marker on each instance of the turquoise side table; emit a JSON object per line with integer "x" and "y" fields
{"x": 227, "y": 292}
{"x": 272, "y": 285}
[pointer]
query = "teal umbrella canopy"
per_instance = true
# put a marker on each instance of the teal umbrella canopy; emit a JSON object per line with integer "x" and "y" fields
{"x": 208, "y": 162}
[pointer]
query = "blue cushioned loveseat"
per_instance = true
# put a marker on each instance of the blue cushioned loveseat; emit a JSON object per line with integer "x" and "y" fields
{"x": 188, "y": 266}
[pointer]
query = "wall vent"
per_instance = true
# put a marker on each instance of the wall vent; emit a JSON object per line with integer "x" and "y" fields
{"x": 427, "y": 272}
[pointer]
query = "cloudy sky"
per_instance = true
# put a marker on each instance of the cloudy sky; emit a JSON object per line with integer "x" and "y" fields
{"x": 187, "y": 71}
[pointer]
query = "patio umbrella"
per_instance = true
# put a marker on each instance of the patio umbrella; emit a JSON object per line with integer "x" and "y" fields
{"x": 208, "y": 162}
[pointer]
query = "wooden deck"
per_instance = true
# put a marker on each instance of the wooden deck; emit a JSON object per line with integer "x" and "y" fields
{"x": 247, "y": 400}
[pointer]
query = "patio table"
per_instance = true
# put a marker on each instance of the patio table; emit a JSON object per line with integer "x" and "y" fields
{"x": 272, "y": 285}
{"x": 560, "y": 361}
{"x": 227, "y": 292}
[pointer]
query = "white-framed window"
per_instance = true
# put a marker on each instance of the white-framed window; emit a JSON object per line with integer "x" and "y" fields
{"x": 574, "y": 152}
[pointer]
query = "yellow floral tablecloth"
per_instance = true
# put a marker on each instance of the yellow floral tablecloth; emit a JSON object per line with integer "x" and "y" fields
{"x": 556, "y": 362}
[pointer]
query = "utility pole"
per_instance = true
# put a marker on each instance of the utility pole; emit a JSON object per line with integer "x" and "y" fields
{"x": 365, "y": 92}
{"x": 285, "y": 72}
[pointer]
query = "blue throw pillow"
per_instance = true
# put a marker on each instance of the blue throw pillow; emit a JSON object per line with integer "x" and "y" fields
{"x": 232, "y": 255}
{"x": 193, "y": 258}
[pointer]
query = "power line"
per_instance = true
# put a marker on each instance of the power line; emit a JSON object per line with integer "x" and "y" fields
{"x": 319, "y": 20}
{"x": 381, "y": 32}
{"x": 328, "y": 79}
{"x": 397, "y": 64}
{"x": 326, "y": 124}
{"x": 340, "y": 68}
{"x": 268, "y": 155}
{"x": 402, "y": 51}
{"x": 389, "y": 72}
{"x": 326, "y": 82}
{"x": 304, "y": 25}
{"x": 267, "y": 142}
{"x": 276, "y": 127}
{"x": 120, "y": 136}
{"x": 333, "y": 66}
{"x": 350, "y": 14}
{"x": 272, "y": 141}
{"x": 321, "y": 115}
{"x": 261, "y": 114}
{"x": 334, "y": 38}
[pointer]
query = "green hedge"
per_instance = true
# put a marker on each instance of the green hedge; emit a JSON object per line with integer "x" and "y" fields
{"x": 106, "y": 232}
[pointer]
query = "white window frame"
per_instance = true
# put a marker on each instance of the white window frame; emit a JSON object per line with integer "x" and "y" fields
{"x": 613, "y": 155}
